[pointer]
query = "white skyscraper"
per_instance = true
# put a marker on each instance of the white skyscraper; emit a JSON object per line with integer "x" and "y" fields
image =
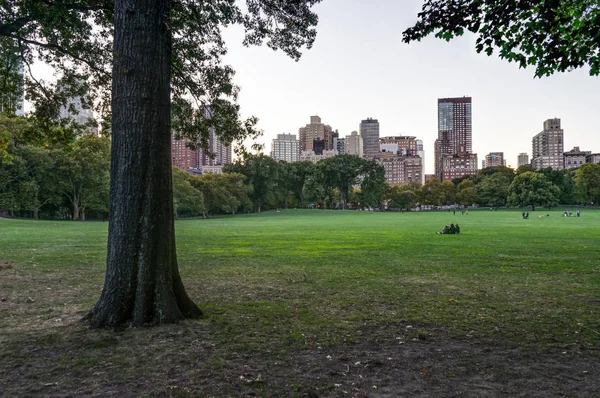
{"x": 354, "y": 144}
{"x": 421, "y": 154}
{"x": 286, "y": 147}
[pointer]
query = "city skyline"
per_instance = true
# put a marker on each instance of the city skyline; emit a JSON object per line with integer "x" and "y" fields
{"x": 399, "y": 84}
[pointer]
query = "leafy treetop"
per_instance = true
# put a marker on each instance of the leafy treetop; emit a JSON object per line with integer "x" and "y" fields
{"x": 552, "y": 35}
{"x": 75, "y": 37}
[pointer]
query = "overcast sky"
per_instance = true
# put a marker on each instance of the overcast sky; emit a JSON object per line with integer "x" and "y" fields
{"x": 360, "y": 68}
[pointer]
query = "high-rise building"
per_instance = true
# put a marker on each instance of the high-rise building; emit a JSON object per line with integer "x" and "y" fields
{"x": 315, "y": 131}
{"x": 548, "y": 146}
{"x": 339, "y": 144}
{"x": 185, "y": 158}
{"x": 458, "y": 166}
{"x": 401, "y": 145}
{"x": 75, "y": 111}
{"x": 401, "y": 169}
{"x": 12, "y": 101}
{"x": 523, "y": 159}
{"x": 181, "y": 156}
{"x": 286, "y": 147}
{"x": 369, "y": 131}
{"x": 453, "y": 147}
{"x": 318, "y": 146}
{"x": 311, "y": 156}
{"x": 494, "y": 159}
{"x": 354, "y": 144}
{"x": 575, "y": 158}
{"x": 421, "y": 154}
{"x": 217, "y": 153}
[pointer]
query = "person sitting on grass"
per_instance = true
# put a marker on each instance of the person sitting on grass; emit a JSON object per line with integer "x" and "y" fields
{"x": 452, "y": 229}
{"x": 443, "y": 231}
{"x": 457, "y": 230}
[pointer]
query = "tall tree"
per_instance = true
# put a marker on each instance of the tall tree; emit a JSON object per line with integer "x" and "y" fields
{"x": 431, "y": 193}
{"x": 156, "y": 53}
{"x": 41, "y": 185}
{"x": 532, "y": 189}
{"x": 553, "y": 36}
{"x": 587, "y": 178}
{"x": 563, "y": 179}
{"x": 493, "y": 190}
{"x": 262, "y": 174}
{"x": 373, "y": 184}
{"x": 315, "y": 189}
{"x": 524, "y": 169}
{"x": 223, "y": 193}
{"x": 84, "y": 174}
{"x": 299, "y": 174}
{"x": 342, "y": 172}
{"x": 506, "y": 171}
{"x": 186, "y": 199}
{"x": 466, "y": 194}
{"x": 402, "y": 196}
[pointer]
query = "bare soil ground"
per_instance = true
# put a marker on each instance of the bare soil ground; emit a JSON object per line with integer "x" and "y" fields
{"x": 60, "y": 357}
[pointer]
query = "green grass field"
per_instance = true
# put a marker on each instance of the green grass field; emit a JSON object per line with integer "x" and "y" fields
{"x": 278, "y": 284}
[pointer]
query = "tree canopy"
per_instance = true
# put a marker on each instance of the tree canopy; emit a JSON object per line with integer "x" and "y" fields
{"x": 551, "y": 35}
{"x": 76, "y": 39}
{"x": 532, "y": 189}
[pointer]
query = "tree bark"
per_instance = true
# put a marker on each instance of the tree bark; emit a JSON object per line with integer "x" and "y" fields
{"x": 142, "y": 283}
{"x": 75, "y": 210}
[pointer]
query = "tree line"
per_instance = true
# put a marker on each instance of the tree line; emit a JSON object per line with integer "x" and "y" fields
{"x": 69, "y": 179}
{"x": 258, "y": 182}
{"x": 502, "y": 186}
{"x": 60, "y": 178}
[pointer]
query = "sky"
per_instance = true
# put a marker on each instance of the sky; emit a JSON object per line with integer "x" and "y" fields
{"x": 359, "y": 67}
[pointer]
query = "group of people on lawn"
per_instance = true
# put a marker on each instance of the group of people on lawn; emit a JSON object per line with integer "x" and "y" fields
{"x": 450, "y": 230}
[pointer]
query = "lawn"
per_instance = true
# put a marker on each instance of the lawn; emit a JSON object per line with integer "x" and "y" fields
{"x": 317, "y": 303}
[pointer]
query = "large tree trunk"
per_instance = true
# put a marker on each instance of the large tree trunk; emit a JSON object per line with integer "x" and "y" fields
{"x": 142, "y": 284}
{"x": 75, "y": 210}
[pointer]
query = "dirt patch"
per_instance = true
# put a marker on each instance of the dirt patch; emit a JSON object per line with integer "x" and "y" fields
{"x": 190, "y": 359}
{"x": 5, "y": 266}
